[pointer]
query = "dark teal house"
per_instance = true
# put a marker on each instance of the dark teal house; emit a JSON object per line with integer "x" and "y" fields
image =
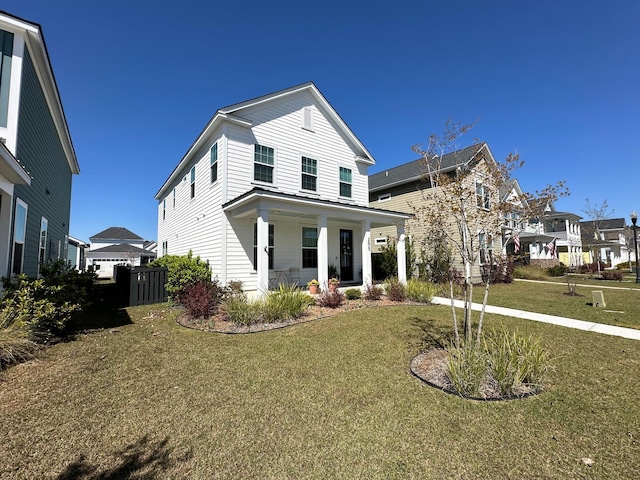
{"x": 37, "y": 158}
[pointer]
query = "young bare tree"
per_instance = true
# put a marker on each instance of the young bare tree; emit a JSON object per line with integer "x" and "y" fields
{"x": 597, "y": 213}
{"x": 462, "y": 204}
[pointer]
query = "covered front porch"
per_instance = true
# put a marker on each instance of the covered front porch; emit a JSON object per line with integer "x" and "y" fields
{"x": 287, "y": 238}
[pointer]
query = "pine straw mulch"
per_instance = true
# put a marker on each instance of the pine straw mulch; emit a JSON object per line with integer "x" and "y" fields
{"x": 218, "y": 324}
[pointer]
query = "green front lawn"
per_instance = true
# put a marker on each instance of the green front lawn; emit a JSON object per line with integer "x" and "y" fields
{"x": 623, "y": 306}
{"x": 332, "y": 398}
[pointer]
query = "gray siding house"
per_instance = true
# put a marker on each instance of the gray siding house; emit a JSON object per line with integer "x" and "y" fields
{"x": 37, "y": 156}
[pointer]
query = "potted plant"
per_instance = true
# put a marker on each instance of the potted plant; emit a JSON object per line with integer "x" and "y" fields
{"x": 333, "y": 284}
{"x": 313, "y": 286}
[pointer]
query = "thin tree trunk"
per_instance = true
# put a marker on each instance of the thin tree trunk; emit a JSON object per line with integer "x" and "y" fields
{"x": 453, "y": 311}
{"x": 486, "y": 297}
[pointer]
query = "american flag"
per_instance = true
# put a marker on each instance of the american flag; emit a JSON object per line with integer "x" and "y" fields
{"x": 551, "y": 246}
{"x": 516, "y": 241}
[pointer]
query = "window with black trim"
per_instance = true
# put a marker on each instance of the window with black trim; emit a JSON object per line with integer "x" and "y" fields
{"x": 345, "y": 182}
{"x": 19, "y": 233}
{"x": 214, "y": 162}
{"x": 263, "y": 163}
{"x": 42, "y": 252}
{"x": 309, "y": 247}
{"x": 193, "y": 182}
{"x": 309, "y": 174}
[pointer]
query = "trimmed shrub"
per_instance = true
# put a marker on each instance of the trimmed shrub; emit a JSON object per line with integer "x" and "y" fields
{"x": 395, "y": 290}
{"x": 558, "y": 270}
{"x": 41, "y": 307}
{"x": 184, "y": 271}
{"x": 201, "y": 299}
{"x": 353, "y": 294}
{"x": 330, "y": 299}
{"x": 592, "y": 267}
{"x": 611, "y": 275}
{"x": 372, "y": 292}
{"x": 421, "y": 291}
{"x": 624, "y": 266}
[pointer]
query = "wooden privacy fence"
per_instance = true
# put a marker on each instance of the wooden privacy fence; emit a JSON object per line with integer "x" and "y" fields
{"x": 142, "y": 285}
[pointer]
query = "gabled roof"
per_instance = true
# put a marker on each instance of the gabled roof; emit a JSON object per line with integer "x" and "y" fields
{"x": 121, "y": 248}
{"x": 116, "y": 233}
{"x": 38, "y": 50}
{"x": 232, "y": 113}
{"x": 415, "y": 170}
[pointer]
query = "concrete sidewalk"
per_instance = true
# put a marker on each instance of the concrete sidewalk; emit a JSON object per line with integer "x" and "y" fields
{"x": 541, "y": 317}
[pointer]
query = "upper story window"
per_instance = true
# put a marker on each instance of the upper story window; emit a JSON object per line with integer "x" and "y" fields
{"x": 345, "y": 182}
{"x": 6, "y": 52}
{"x": 263, "y": 164}
{"x": 164, "y": 209}
{"x": 214, "y": 162}
{"x": 193, "y": 181}
{"x": 174, "y": 197}
{"x": 482, "y": 196}
{"x": 309, "y": 174}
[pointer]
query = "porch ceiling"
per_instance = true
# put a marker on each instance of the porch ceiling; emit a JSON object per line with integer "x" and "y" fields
{"x": 308, "y": 208}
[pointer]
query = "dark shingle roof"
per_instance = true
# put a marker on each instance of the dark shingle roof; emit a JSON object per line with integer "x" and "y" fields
{"x": 122, "y": 248}
{"x": 116, "y": 233}
{"x": 608, "y": 224}
{"x": 414, "y": 170}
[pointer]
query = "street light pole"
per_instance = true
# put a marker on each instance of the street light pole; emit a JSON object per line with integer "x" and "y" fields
{"x": 634, "y": 220}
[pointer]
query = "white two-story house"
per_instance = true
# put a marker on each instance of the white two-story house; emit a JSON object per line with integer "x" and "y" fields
{"x": 275, "y": 189}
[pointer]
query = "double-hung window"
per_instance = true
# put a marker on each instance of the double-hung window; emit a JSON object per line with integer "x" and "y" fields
{"x": 164, "y": 209}
{"x": 345, "y": 182}
{"x": 193, "y": 182}
{"x": 263, "y": 164}
{"x": 309, "y": 174}
{"x": 19, "y": 230}
{"x": 482, "y": 196}
{"x": 214, "y": 162}
{"x": 309, "y": 247}
{"x": 272, "y": 243}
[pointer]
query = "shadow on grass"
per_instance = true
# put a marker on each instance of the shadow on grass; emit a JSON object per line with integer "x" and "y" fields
{"x": 143, "y": 459}
{"x": 432, "y": 334}
{"x": 106, "y": 310}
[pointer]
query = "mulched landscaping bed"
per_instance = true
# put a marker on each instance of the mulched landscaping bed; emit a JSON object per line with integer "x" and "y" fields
{"x": 218, "y": 324}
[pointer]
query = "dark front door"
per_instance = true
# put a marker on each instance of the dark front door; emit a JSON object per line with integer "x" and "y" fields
{"x": 346, "y": 255}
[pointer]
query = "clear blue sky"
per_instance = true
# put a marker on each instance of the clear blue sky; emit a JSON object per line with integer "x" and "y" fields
{"x": 556, "y": 81}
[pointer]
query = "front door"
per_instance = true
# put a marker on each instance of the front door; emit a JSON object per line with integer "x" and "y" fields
{"x": 346, "y": 255}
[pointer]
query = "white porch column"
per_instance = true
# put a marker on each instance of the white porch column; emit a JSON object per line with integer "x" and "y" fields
{"x": 402, "y": 263}
{"x": 263, "y": 252}
{"x": 367, "y": 278}
{"x": 323, "y": 250}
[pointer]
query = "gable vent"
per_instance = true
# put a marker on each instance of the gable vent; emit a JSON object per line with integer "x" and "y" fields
{"x": 307, "y": 118}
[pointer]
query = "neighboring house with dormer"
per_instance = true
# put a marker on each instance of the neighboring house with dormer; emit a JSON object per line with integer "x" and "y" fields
{"x": 544, "y": 239}
{"x": 404, "y": 187}
{"x": 274, "y": 189}
{"x": 117, "y": 246}
{"x": 37, "y": 158}
{"x": 611, "y": 245}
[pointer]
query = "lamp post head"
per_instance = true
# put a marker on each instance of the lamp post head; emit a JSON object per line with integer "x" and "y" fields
{"x": 634, "y": 217}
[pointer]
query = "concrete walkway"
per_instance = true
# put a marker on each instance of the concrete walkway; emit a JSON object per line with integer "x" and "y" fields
{"x": 595, "y": 287}
{"x": 541, "y": 317}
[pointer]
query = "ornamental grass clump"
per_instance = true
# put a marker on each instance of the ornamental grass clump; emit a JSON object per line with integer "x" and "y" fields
{"x": 16, "y": 339}
{"x": 530, "y": 272}
{"x": 421, "y": 291}
{"x": 503, "y": 365}
{"x": 286, "y": 303}
{"x": 467, "y": 368}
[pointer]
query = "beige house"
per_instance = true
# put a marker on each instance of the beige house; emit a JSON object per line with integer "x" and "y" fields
{"x": 406, "y": 186}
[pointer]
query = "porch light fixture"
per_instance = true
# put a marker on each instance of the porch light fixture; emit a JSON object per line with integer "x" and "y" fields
{"x": 634, "y": 220}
